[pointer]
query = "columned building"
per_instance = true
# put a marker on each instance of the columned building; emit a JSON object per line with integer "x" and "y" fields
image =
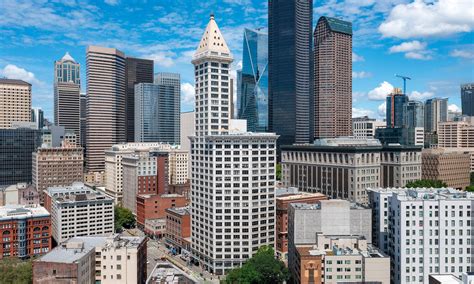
{"x": 332, "y": 78}
{"x": 233, "y": 172}
{"x": 67, "y": 88}
{"x": 105, "y": 103}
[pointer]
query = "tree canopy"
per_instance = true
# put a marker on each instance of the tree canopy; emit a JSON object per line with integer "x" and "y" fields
{"x": 123, "y": 218}
{"x": 263, "y": 267}
{"x": 426, "y": 183}
{"x": 278, "y": 171}
{"x": 15, "y": 271}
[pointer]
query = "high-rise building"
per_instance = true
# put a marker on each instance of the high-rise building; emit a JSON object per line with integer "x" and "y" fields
{"x": 16, "y": 148}
{"x": 67, "y": 89}
{"x": 25, "y": 231}
{"x": 157, "y": 113}
{"x": 241, "y": 166}
{"x": 394, "y": 111}
{"x": 137, "y": 70}
{"x": 15, "y": 102}
{"x": 37, "y": 116}
{"x": 467, "y": 99}
{"x": 172, "y": 81}
{"x": 364, "y": 127}
{"x": 436, "y": 111}
{"x": 83, "y": 118}
{"x": 332, "y": 78}
{"x": 424, "y": 231}
{"x": 105, "y": 103}
{"x": 290, "y": 24}
{"x": 413, "y": 114}
{"x": 252, "y": 81}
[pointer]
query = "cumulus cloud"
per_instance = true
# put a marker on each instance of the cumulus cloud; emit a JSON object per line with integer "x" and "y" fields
{"x": 382, "y": 109}
{"x": 429, "y": 19}
{"x": 469, "y": 54}
{"x": 187, "y": 93}
{"x": 361, "y": 75}
{"x": 11, "y": 71}
{"x": 454, "y": 108}
{"x": 381, "y": 92}
{"x": 413, "y": 49}
{"x": 357, "y": 58}
{"x": 358, "y": 112}
{"x": 162, "y": 58}
{"x": 420, "y": 96}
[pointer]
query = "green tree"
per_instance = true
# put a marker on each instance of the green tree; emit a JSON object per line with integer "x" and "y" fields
{"x": 470, "y": 188}
{"x": 123, "y": 218}
{"x": 278, "y": 171}
{"x": 263, "y": 268}
{"x": 15, "y": 271}
{"x": 426, "y": 183}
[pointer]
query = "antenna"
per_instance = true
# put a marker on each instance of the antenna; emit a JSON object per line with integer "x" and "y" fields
{"x": 404, "y": 78}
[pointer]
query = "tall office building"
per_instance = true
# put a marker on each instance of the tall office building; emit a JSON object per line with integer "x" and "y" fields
{"x": 394, "y": 111}
{"x": 413, "y": 114}
{"x": 252, "y": 81}
{"x": 67, "y": 88}
{"x": 105, "y": 103}
{"x": 332, "y": 78}
{"x": 137, "y": 70}
{"x": 233, "y": 172}
{"x": 83, "y": 118}
{"x": 436, "y": 111}
{"x": 157, "y": 113}
{"x": 290, "y": 24}
{"x": 37, "y": 116}
{"x": 172, "y": 83}
{"x": 467, "y": 99}
{"x": 15, "y": 102}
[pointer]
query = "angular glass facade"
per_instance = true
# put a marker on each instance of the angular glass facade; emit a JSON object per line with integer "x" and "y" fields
{"x": 252, "y": 82}
{"x": 394, "y": 111}
{"x": 413, "y": 112}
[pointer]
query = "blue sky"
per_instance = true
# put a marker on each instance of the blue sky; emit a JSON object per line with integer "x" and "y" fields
{"x": 430, "y": 41}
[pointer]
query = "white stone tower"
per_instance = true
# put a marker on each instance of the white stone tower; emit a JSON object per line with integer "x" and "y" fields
{"x": 233, "y": 172}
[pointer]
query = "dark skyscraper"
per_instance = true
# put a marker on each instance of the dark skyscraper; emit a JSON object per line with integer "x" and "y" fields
{"x": 252, "y": 82}
{"x": 137, "y": 71}
{"x": 332, "y": 78}
{"x": 467, "y": 99}
{"x": 394, "y": 111}
{"x": 289, "y": 69}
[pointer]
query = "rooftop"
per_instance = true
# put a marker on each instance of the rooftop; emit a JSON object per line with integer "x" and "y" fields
{"x": 337, "y": 25}
{"x": 9, "y": 212}
{"x": 411, "y": 194}
{"x": 446, "y": 278}
{"x": 77, "y": 192}
{"x": 299, "y": 195}
{"x": 340, "y": 144}
{"x": 72, "y": 250}
{"x": 180, "y": 210}
{"x": 323, "y": 203}
{"x": 212, "y": 40}
{"x": 13, "y": 82}
{"x": 165, "y": 272}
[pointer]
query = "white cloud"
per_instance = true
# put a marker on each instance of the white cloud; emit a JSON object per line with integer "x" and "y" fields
{"x": 469, "y": 54}
{"x": 171, "y": 18}
{"x": 382, "y": 109}
{"x": 413, "y": 50}
{"x": 381, "y": 92}
{"x": 361, "y": 75}
{"x": 238, "y": 2}
{"x": 357, "y": 58}
{"x": 11, "y": 71}
{"x": 454, "y": 108}
{"x": 428, "y": 19}
{"x": 358, "y": 112}
{"x": 111, "y": 2}
{"x": 162, "y": 58}
{"x": 187, "y": 93}
{"x": 420, "y": 96}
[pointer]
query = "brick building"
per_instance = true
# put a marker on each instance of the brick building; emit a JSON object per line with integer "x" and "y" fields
{"x": 451, "y": 167}
{"x": 178, "y": 228}
{"x": 25, "y": 231}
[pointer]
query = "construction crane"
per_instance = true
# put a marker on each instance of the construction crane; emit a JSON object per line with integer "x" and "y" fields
{"x": 404, "y": 78}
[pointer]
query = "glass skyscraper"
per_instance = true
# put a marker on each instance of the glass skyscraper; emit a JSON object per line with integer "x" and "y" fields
{"x": 252, "y": 81}
{"x": 413, "y": 112}
{"x": 467, "y": 99}
{"x": 157, "y": 113}
{"x": 436, "y": 110}
{"x": 394, "y": 113}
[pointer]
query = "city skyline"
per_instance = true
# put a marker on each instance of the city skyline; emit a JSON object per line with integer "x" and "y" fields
{"x": 438, "y": 59}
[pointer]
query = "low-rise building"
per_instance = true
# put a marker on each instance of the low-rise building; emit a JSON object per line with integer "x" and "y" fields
{"x": 19, "y": 194}
{"x": 78, "y": 210}
{"x": 166, "y": 272}
{"x": 364, "y": 127}
{"x": 399, "y": 164}
{"x": 283, "y": 200}
{"x": 178, "y": 229}
{"x": 451, "y": 167}
{"x": 341, "y": 259}
{"x": 25, "y": 231}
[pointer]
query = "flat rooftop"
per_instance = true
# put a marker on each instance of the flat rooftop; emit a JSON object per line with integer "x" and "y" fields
{"x": 10, "y": 212}
{"x": 180, "y": 210}
{"x": 426, "y": 194}
{"x": 13, "y": 82}
{"x": 299, "y": 195}
{"x": 317, "y": 206}
{"x": 165, "y": 272}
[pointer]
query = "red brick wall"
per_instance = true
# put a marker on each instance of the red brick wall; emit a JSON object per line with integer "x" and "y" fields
{"x": 154, "y": 206}
{"x": 54, "y": 272}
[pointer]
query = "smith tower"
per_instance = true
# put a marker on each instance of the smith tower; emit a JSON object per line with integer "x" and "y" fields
{"x": 233, "y": 171}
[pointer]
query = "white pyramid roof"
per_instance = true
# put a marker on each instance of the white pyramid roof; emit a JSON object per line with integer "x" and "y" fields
{"x": 67, "y": 57}
{"x": 212, "y": 39}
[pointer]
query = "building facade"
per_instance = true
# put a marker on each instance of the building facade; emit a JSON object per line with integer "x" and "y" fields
{"x": 137, "y": 70}
{"x": 394, "y": 108}
{"x": 37, "y": 116}
{"x": 157, "y": 113}
{"x": 424, "y": 231}
{"x": 233, "y": 172}
{"x": 105, "y": 103}
{"x": 83, "y": 118}
{"x": 436, "y": 111}
{"x": 339, "y": 168}
{"x": 450, "y": 167}
{"x": 290, "y": 69}
{"x": 78, "y": 211}
{"x": 252, "y": 81}
{"x": 399, "y": 165}
{"x": 172, "y": 82}
{"x": 364, "y": 127}
{"x": 15, "y": 102}
{"x": 25, "y": 231}
{"x": 67, "y": 89}
{"x": 16, "y": 148}
{"x": 332, "y": 78}
{"x": 178, "y": 229}
{"x": 467, "y": 99}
